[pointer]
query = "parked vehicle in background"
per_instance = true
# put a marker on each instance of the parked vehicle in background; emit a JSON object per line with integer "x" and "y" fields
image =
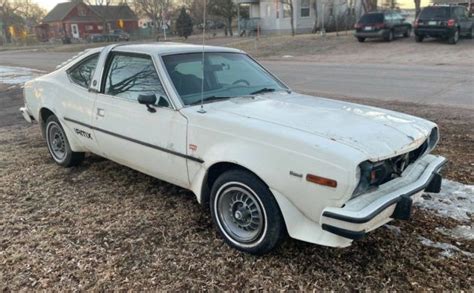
{"x": 383, "y": 25}
{"x": 114, "y": 36}
{"x": 448, "y": 22}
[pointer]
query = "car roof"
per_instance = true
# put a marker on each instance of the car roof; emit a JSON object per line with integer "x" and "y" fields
{"x": 166, "y": 48}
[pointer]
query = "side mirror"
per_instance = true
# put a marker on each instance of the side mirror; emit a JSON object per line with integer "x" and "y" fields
{"x": 148, "y": 100}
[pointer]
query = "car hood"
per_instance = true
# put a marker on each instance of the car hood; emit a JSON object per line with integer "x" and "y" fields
{"x": 377, "y": 133}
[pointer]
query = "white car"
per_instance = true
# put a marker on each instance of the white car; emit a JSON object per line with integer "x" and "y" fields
{"x": 266, "y": 160}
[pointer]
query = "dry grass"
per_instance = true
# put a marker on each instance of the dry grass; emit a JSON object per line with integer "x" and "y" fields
{"x": 104, "y": 226}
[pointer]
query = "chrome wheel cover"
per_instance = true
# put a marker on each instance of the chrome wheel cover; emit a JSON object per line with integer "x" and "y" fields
{"x": 56, "y": 140}
{"x": 240, "y": 214}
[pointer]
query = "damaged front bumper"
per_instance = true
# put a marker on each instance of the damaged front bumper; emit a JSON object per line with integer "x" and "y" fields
{"x": 392, "y": 200}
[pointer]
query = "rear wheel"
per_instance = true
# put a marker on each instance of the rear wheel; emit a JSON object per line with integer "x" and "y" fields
{"x": 471, "y": 34}
{"x": 245, "y": 213}
{"x": 407, "y": 33}
{"x": 58, "y": 145}
{"x": 361, "y": 39}
{"x": 389, "y": 37}
{"x": 454, "y": 38}
{"x": 419, "y": 39}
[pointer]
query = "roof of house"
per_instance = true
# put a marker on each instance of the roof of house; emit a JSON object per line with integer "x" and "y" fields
{"x": 112, "y": 12}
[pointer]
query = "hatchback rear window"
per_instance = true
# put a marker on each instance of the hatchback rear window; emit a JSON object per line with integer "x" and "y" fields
{"x": 435, "y": 12}
{"x": 372, "y": 18}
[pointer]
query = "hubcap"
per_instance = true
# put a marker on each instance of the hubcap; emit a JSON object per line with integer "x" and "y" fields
{"x": 240, "y": 214}
{"x": 56, "y": 142}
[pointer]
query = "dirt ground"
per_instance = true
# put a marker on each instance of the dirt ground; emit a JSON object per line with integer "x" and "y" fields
{"x": 104, "y": 226}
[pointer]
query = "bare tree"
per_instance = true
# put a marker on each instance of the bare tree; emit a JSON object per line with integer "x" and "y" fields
{"x": 292, "y": 16}
{"x": 225, "y": 9}
{"x": 417, "y": 7}
{"x": 314, "y": 4}
{"x": 153, "y": 9}
{"x": 8, "y": 16}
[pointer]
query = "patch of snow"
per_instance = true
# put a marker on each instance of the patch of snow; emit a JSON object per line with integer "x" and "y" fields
{"x": 394, "y": 229}
{"x": 18, "y": 75}
{"x": 448, "y": 249}
{"x": 460, "y": 232}
{"x": 456, "y": 200}
{"x": 287, "y": 56}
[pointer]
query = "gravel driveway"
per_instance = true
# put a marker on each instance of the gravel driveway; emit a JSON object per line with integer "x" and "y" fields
{"x": 104, "y": 226}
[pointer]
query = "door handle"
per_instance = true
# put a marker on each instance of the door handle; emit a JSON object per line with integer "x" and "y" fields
{"x": 100, "y": 112}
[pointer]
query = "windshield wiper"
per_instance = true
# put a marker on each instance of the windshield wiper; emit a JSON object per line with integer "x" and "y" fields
{"x": 209, "y": 99}
{"x": 263, "y": 90}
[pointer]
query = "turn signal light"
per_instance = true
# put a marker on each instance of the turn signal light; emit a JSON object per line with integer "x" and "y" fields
{"x": 321, "y": 180}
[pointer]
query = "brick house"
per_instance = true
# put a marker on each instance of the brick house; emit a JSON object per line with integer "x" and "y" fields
{"x": 77, "y": 20}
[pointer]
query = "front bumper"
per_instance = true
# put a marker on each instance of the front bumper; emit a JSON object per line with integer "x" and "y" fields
{"x": 392, "y": 200}
{"x": 436, "y": 32}
{"x": 26, "y": 114}
{"x": 371, "y": 34}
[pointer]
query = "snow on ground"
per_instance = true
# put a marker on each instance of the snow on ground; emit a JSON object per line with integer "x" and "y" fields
{"x": 455, "y": 200}
{"x": 17, "y": 75}
{"x": 448, "y": 249}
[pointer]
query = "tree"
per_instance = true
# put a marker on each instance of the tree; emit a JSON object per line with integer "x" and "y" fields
{"x": 184, "y": 24}
{"x": 417, "y": 7}
{"x": 314, "y": 4}
{"x": 292, "y": 20}
{"x": 153, "y": 9}
{"x": 225, "y": 9}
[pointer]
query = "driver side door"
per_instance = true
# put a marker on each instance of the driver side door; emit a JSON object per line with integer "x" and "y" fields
{"x": 151, "y": 142}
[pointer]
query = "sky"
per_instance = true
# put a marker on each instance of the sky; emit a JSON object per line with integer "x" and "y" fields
{"x": 49, "y": 4}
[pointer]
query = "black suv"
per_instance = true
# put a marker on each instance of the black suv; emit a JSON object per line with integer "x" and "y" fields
{"x": 446, "y": 22}
{"x": 382, "y": 24}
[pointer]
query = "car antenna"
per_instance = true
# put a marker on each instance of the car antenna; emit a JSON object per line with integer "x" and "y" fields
{"x": 201, "y": 110}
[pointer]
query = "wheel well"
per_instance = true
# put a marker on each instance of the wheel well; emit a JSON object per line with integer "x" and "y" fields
{"x": 213, "y": 173}
{"x": 43, "y": 116}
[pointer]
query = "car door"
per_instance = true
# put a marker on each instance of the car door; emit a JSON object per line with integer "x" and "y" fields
{"x": 78, "y": 102}
{"x": 151, "y": 142}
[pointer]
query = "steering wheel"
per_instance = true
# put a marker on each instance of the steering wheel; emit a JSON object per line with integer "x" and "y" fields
{"x": 241, "y": 81}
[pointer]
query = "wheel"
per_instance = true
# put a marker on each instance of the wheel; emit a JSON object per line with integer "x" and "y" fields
{"x": 471, "y": 34}
{"x": 58, "y": 145}
{"x": 454, "y": 38}
{"x": 361, "y": 39}
{"x": 245, "y": 213}
{"x": 407, "y": 33}
{"x": 389, "y": 37}
{"x": 419, "y": 39}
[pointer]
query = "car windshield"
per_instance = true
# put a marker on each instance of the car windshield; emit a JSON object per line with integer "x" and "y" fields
{"x": 434, "y": 12}
{"x": 372, "y": 18}
{"x": 226, "y": 75}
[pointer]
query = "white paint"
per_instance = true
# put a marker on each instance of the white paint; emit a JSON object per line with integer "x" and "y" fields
{"x": 17, "y": 75}
{"x": 270, "y": 134}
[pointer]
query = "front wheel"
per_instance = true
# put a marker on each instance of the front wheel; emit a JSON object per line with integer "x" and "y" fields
{"x": 407, "y": 33}
{"x": 245, "y": 213}
{"x": 361, "y": 39}
{"x": 471, "y": 34}
{"x": 419, "y": 39}
{"x": 389, "y": 37}
{"x": 58, "y": 145}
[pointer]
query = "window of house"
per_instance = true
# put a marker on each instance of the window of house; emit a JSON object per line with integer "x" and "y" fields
{"x": 81, "y": 74}
{"x": 89, "y": 28}
{"x": 130, "y": 76}
{"x": 81, "y": 11}
{"x": 286, "y": 10}
{"x": 100, "y": 27}
{"x": 305, "y": 11}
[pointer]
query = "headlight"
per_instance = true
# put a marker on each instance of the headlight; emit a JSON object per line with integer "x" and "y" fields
{"x": 433, "y": 139}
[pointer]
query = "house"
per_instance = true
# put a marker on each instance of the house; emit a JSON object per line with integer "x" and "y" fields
{"x": 468, "y": 3}
{"x": 76, "y": 20}
{"x": 274, "y": 16}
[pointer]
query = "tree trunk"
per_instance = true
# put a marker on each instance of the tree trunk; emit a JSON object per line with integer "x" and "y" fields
{"x": 292, "y": 19}
{"x": 229, "y": 26}
{"x": 315, "y": 25}
{"x": 417, "y": 8}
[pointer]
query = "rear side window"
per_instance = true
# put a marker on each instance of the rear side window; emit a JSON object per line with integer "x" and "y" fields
{"x": 81, "y": 74}
{"x": 130, "y": 76}
{"x": 372, "y": 18}
{"x": 435, "y": 13}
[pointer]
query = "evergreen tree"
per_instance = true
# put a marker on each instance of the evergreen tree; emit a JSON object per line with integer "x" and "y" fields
{"x": 184, "y": 24}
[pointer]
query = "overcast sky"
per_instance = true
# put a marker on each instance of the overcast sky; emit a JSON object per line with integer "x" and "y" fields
{"x": 49, "y": 4}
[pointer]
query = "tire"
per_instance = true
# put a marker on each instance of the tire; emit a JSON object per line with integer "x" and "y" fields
{"x": 361, "y": 39}
{"x": 471, "y": 34}
{"x": 245, "y": 213}
{"x": 389, "y": 37}
{"x": 407, "y": 34}
{"x": 58, "y": 145}
{"x": 454, "y": 38}
{"x": 419, "y": 39}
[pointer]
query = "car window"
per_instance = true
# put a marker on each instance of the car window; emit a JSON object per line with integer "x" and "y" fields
{"x": 81, "y": 74}
{"x": 130, "y": 76}
{"x": 372, "y": 18}
{"x": 435, "y": 12}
